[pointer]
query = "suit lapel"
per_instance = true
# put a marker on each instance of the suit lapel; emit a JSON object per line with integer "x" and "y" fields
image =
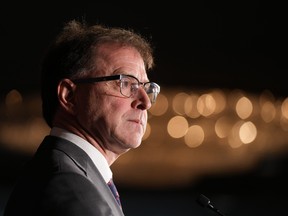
{"x": 83, "y": 162}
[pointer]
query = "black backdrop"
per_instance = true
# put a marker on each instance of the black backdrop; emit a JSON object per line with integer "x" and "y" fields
{"x": 236, "y": 45}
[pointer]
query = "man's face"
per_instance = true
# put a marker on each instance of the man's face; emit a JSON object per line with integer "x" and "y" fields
{"x": 116, "y": 122}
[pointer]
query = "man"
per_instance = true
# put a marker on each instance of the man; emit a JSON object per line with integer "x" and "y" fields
{"x": 95, "y": 97}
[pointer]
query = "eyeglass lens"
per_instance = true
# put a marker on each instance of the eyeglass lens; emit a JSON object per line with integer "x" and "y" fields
{"x": 129, "y": 86}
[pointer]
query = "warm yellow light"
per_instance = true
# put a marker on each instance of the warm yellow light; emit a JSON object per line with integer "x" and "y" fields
{"x": 247, "y": 132}
{"x": 13, "y": 98}
{"x": 177, "y": 126}
{"x": 160, "y": 107}
{"x": 223, "y": 126}
{"x": 244, "y": 107}
{"x": 206, "y": 105}
{"x": 284, "y": 108}
{"x": 194, "y": 136}
{"x": 190, "y": 106}
{"x": 268, "y": 111}
{"x": 178, "y": 103}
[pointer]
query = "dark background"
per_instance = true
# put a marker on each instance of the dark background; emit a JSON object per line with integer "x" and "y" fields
{"x": 220, "y": 44}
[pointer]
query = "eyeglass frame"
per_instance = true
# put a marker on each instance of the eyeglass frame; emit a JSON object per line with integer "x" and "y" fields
{"x": 119, "y": 77}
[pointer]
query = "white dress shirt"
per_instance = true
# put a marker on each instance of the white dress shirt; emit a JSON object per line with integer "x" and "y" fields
{"x": 97, "y": 158}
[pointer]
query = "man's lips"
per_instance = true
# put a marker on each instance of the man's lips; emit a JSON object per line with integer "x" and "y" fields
{"x": 137, "y": 121}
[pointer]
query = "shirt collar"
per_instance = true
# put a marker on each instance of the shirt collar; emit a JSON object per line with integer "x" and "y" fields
{"x": 97, "y": 158}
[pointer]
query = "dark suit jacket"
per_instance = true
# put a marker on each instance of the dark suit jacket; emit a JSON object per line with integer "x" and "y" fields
{"x": 61, "y": 180}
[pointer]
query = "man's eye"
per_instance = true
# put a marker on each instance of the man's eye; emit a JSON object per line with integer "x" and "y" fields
{"x": 134, "y": 86}
{"x": 125, "y": 83}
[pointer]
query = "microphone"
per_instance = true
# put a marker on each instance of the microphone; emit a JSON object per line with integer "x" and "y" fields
{"x": 205, "y": 202}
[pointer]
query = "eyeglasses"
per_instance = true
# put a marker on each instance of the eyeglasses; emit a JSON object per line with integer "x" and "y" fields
{"x": 129, "y": 85}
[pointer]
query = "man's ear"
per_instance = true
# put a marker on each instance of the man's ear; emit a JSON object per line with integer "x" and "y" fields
{"x": 66, "y": 93}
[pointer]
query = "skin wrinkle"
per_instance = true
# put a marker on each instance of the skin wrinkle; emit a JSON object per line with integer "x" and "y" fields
{"x": 121, "y": 122}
